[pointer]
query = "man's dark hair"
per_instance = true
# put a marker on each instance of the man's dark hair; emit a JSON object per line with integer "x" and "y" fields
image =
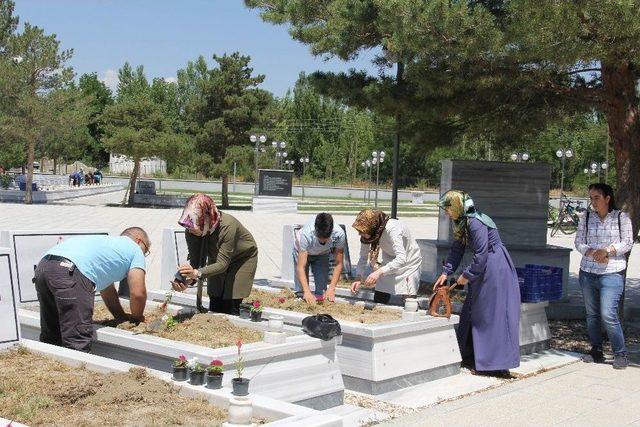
{"x": 605, "y": 190}
{"x": 137, "y": 232}
{"x": 324, "y": 225}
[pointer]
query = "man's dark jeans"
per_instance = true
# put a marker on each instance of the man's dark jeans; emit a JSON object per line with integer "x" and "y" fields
{"x": 66, "y": 304}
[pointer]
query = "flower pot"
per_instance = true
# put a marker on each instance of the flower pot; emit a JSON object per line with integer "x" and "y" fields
{"x": 240, "y": 386}
{"x": 256, "y": 316}
{"x": 245, "y": 311}
{"x": 411, "y": 304}
{"x": 180, "y": 373}
{"x": 214, "y": 381}
{"x": 276, "y": 323}
{"x": 196, "y": 378}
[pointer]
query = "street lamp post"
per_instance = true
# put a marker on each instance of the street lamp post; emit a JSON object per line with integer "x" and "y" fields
{"x": 520, "y": 157}
{"x": 370, "y": 166}
{"x": 597, "y": 167}
{"x": 563, "y": 154}
{"x": 365, "y": 165}
{"x": 257, "y": 140}
{"x": 305, "y": 162}
{"x": 378, "y": 157}
{"x": 280, "y": 153}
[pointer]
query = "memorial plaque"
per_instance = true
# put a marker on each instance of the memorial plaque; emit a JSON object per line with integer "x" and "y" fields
{"x": 146, "y": 187}
{"x": 276, "y": 183}
{"x": 9, "y": 329}
{"x": 27, "y": 249}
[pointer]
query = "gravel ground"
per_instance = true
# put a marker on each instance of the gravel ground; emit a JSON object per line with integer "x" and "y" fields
{"x": 571, "y": 335}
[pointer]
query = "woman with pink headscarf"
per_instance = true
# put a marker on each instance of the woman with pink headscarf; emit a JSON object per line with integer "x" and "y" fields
{"x": 230, "y": 254}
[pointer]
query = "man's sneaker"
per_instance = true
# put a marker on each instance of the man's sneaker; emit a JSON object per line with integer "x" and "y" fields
{"x": 594, "y": 356}
{"x": 620, "y": 361}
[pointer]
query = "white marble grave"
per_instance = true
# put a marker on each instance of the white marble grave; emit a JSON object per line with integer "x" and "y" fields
{"x": 301, "y": 369}
{"x": 274, "y": 411}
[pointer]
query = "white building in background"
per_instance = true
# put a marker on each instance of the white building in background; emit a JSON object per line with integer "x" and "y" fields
{"x": 148, "y": 166}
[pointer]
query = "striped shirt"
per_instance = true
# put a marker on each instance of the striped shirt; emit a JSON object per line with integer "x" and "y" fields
{"x": 604, "y": 233}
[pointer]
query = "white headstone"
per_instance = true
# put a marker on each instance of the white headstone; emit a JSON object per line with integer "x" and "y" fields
{"x": 27, "y": 249}
{"x": 9, "y": 327}
{"x": 174, "y": 253}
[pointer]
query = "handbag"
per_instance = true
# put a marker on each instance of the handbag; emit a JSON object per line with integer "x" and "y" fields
{"x": 441, "y": 295}
{"x": 321, "y": 326}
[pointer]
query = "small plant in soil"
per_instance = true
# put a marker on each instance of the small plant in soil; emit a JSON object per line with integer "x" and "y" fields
{"x": 256, "y": 311}
{"x": 167, "y": 300}
{"x": 240, "y": 385}
{"x": 180, "y": 368}
{"x": 214, "y": 374}
{"x": 169, "y": 321}
{"x": 196, "y": 372}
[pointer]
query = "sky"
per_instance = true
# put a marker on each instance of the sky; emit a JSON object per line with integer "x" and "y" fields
{"x": 163, "y": 35}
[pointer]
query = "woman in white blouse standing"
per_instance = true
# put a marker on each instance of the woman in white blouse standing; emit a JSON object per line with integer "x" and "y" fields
{"x": 604, "y": 236}
{"x": 399, "y": 271}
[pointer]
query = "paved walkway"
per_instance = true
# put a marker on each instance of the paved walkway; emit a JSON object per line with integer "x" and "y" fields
{"x": 579, "y": 394}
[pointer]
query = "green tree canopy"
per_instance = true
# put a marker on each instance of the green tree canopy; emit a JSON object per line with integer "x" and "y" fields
{"x": 498, "y": 69}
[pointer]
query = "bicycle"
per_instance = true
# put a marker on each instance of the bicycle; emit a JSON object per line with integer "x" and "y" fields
{"x": 568, "y": 216}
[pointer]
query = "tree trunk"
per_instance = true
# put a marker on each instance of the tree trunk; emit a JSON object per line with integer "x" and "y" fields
{"x": 622, "y": 112}
{"x": 55, "y": 166}
{"x": 132, "y": 181}
{"x": 225, "y": 190}
{"x": 28, "y": 196}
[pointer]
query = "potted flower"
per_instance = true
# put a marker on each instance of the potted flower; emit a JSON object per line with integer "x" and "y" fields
{"x": 256, "y": 311}
{"x": 196, "y": 372}
{"x": 214, "y": 374}
{"x": 240, "y": 385}
{"x": 180, "y": 368}
{"x": 245, "y": 310}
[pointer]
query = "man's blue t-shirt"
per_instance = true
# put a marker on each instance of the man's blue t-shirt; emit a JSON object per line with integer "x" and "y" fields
{"x": 102, "y": 259}
{"x": 307, "y": 241}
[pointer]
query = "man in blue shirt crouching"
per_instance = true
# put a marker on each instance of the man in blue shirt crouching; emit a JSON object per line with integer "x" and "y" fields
{"x": 69, "y": 274}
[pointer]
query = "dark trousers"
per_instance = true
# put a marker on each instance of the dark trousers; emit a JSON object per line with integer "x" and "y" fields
{"x": 66, "y": 305}
{"x": 226, "y": 306}
{"x": 381, "y": 297}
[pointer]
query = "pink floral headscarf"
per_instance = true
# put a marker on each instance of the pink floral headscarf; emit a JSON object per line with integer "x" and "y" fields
{"x": 200, "y": 213}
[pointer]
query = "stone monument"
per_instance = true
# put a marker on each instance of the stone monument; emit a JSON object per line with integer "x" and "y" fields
{"x": 274, "y": 192}
{"x": 516, "y": 196}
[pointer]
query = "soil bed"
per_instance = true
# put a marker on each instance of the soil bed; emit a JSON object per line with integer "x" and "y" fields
{"x": 285, "y": 299}
{"x": 57, "y": 394}
{"x": 206, "y": 329}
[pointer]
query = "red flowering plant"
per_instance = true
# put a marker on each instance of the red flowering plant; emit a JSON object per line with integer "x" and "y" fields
{"x": 319, "y": 299}
{"x": 256, "y": 307}
{"x": 281, "y": 300}
{"x": 240, "y": 360}
{"x": 181, "y": 361}
{"x": 215, "y": 367}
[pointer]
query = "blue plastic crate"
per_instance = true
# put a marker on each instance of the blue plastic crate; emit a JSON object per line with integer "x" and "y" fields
{"x": 540, "y": 283}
